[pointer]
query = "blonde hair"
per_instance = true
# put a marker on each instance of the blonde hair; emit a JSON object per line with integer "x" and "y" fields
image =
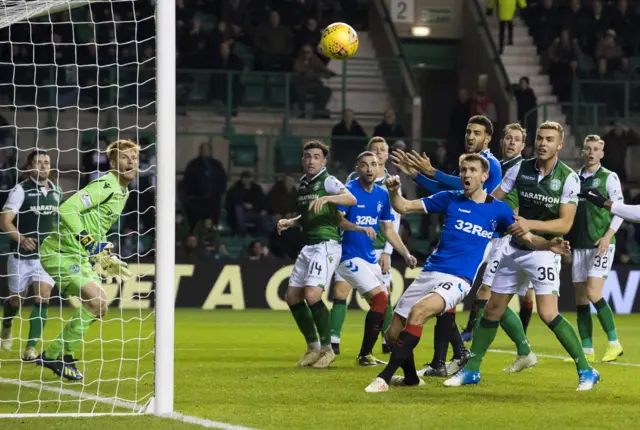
{"x": 466, "y": 158}
{"x": 593, "y": 138}
{"x": 376, "y": 139}
{"x": 552, "y": 125}
{"x": 516, "y": 127}
{"x": 114, "y": 149}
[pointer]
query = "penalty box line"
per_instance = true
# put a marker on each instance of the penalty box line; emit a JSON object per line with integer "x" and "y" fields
{"x": 111, "y": 402}
{"x": 560, "y": 357}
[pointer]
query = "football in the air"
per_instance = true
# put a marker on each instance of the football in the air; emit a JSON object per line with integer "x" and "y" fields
{"x": 339, "y": 41}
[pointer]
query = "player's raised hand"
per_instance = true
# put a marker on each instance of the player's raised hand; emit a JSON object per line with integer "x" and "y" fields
{"x": 560, "y": 246}
{"x": 283, "y": 225}
{"x": 420, "y": 162}
{"x": 393, "y": 184}
{"x": 28, "y": 243}
{"x": 411, "y": 261}
{"x": 520, "y": 227}
{"x": 399, "y": 159}
{"x": 317, "y": 205}
{"x": 369, "y": 231}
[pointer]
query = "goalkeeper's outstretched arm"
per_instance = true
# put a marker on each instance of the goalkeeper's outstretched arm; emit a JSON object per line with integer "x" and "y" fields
{"x": 626, "y": 212}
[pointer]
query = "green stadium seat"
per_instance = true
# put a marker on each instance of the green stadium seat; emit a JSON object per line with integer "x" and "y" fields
{"x": 243, "y": 150}
{"x": 289, "y": 152}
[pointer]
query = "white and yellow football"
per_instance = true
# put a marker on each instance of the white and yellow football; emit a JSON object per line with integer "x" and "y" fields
{"x": 339, "y": 41}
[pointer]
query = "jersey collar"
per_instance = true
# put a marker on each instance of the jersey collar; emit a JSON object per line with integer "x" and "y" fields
{"x": 516, "y": 158}
{"x": 51, "y": 184}
{"x": 592, "y": 174}
{"x": 304, "y": 177}
{"x": 535, "y": 166}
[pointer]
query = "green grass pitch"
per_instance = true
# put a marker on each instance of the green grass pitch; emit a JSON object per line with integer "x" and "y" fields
{"x": 239, "y": 368}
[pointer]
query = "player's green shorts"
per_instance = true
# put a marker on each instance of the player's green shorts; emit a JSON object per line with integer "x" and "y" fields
{"x": 70, "y": 271}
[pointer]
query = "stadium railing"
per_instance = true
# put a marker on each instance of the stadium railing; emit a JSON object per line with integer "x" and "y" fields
{"x": 621, "y": 98}
{"x": 584, "y": 118}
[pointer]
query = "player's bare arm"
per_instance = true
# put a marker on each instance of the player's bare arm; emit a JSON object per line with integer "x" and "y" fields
{"x": 7, "y": 226}
{"x": 560, "y": 225}
{"x": 346, "y": 225}
{"x": 399, "y": 203}
{"x": 345, "y": 198}
{"x": 556, "y": 245}
{"x": 394, "y": 239}
{"x": 499, "y": 193}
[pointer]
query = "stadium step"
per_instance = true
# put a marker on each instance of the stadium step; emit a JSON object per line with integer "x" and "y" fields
{"x": 366, "y": 89}
{"x": 522, "y": 59}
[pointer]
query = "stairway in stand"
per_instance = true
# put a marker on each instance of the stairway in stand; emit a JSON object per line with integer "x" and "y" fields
{"x": 521, "y": 59}
{"x": 366, "y": 90}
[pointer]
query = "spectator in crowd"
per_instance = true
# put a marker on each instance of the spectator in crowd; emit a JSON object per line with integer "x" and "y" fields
{"x": 247, "y": 209}
{"x": 625, "y": 22}
{"x": 624, "y": 72}
{"x": 257, "y": 251}
{"x": 194, "y": 44}
{"x": 609, "y": 50}
{"x": 219, "y": 88}
{"x": 545, "y": 24}
{"x": 347, "y": 140}
{"x": 527, "y": 102}
{"x": 308, "y": 70}
{"x": 222, "y": 34}
{"x": 617, "y": 140}
{"x": 482, "y": 105}
{"x": 506, "y": 11}
{"x": 221, "y": 252}
{"x": 205, "y": 181}
{"x": 561, "y": 53}
{"x": 274, "y": 44}
{"x": 236, "y": 14}
{"x": 458, "y": 120}
{"x": 309, "y": 35}
{"x": 283, "y": 199}
{"x": 574, "y": 19}
{"x": 597, "y": 22}
{"x": 389, "y": 128}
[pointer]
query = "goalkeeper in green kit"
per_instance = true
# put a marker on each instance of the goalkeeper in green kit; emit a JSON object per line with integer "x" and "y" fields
{"x": 77, "y": 255}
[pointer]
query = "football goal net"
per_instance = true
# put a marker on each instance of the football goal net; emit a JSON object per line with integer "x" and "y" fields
{"x": 76, "y": 76}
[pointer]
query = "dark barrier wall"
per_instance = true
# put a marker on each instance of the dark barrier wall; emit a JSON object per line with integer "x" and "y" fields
{"x": 219, "y": 284}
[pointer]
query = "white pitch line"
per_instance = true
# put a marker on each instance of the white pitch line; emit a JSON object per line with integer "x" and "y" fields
{"x": 119, "y": 403}
{"x": 560, "y": 357}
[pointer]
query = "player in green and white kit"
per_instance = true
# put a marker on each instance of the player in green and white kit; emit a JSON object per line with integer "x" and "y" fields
{"x": 593, "y": 241}
{"x": 383, "y": 250}
{"x": 547, "y": 200}
{"x": 29, "y": 215}
{"x": 78, "y": 254}
{"x": 318, "y": 195}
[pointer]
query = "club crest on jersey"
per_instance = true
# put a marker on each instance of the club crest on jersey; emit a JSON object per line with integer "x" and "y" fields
{"x": 56, "y": 197}
{"x": 379, "y": 207}
{"x": 316, "y": 186}
{"x": 596, "y": 183}
{"x": 74, "y": 268}
{"x": 494, "y": 224}
{"x": 555, "y": 184}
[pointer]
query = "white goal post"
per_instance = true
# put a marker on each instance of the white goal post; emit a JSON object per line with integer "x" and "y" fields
{"x": 127, "y": 357}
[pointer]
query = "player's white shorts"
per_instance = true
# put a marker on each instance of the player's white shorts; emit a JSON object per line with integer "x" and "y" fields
{"x": 360, "y": 274}
{"x": 451, "y": 288}
{"x": 587, "y": 263}
{"x": 542, "y": 268}
{"x": 489, "y": 249}
{"x": 493, "y": 262}
{"x": 386, "y": 277}
{"x": 315, "y": 265}
{"x": 24, "y": 272}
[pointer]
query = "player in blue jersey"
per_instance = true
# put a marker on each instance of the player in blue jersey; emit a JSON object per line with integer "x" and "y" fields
{"x": 477, "y": 137}
{"x": 471, "y": 218}
{"x": 359, "y": 264}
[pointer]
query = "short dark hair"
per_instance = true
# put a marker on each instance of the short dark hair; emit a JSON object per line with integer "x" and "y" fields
{"x": 483, "y": 121}
{"x": 465, "y": 158}
{"x": 365, "y": 154}
{"x": 316, "y": 144}
{"x": 33, "y": 155}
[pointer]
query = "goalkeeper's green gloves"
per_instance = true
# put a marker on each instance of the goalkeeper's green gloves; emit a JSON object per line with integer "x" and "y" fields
{"x": 104, "y": 262}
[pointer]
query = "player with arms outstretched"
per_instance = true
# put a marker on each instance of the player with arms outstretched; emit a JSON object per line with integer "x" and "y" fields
{"x": 319, "y": 194}
{"x": 512, "y": 145}
{"x": 471, "y": 218}
{"x": 547, "y": 198}
{"x": 77, "y": 255}
{"x": 359, "y": 263}
{"x": 593, "y": 239}
{"x": 29, "y": 215}
{"x": 383, "y": 250}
